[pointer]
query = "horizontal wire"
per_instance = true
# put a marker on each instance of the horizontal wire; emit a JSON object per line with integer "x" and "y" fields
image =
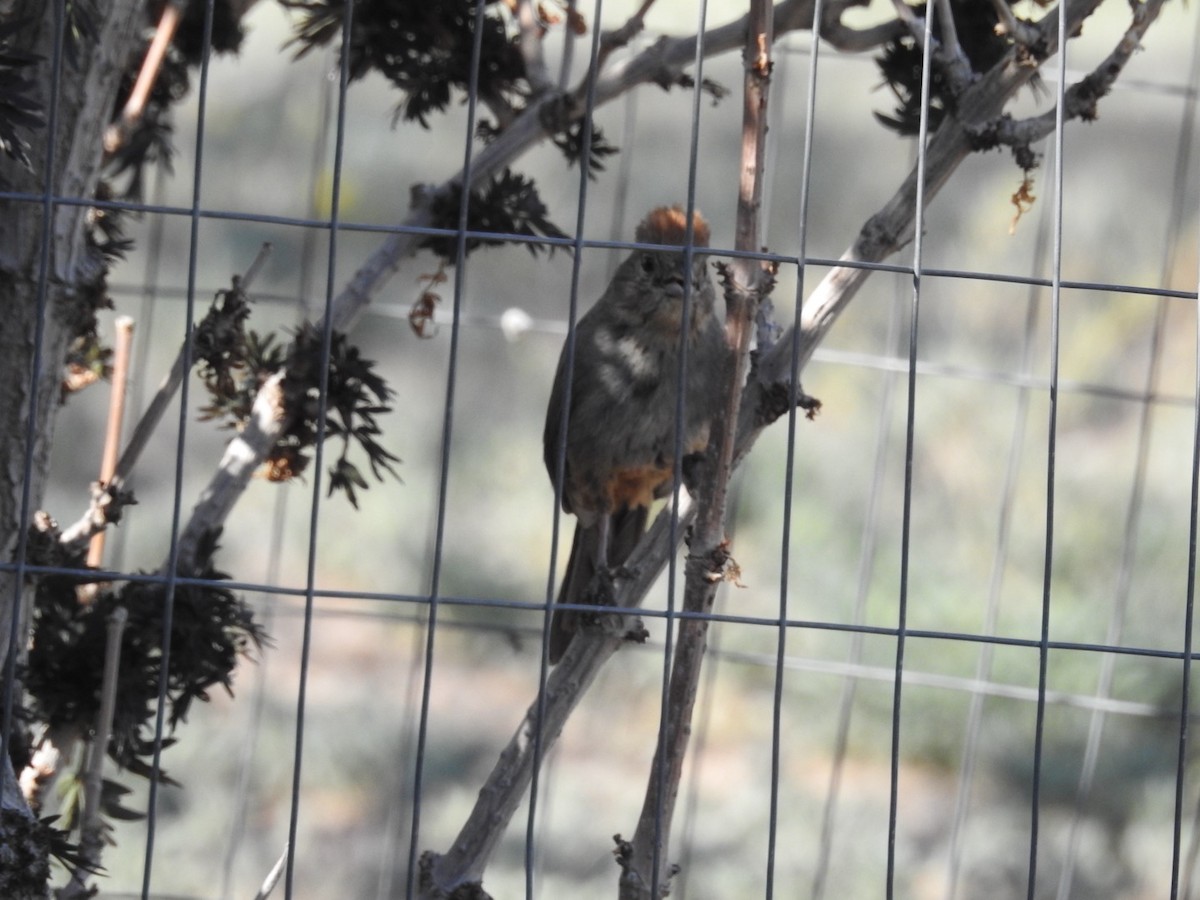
{"x": 540, "y": 241}
{"x": 838, "y": 668}
{"x": 539, "y": 606}
{"x": 515, "y": 322}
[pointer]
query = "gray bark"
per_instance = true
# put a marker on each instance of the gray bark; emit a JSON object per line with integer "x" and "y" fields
{"x": 46, "y": 265}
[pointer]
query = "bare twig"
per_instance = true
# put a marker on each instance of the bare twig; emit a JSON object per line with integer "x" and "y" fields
{"x": 1019, "y": 30}
{"x": 617, "y": 38}
{"x": 1081, "y": 98}
{"x": 116, "y": 417}
{"x": 91, "y": 842}
{"x": 467, "y": 858}
{"x": 912, "y": 22}
{"x": 644, "y": 861}
{"x": 532, "y": 49}
{"x": 97, "y": 516}
{"x": 956, "y": 59}
{"x": 947, "y": 53}
{"x": 242, "y": 457}
{"x": 856, "y": 40}
{"x": 118, "y": 132}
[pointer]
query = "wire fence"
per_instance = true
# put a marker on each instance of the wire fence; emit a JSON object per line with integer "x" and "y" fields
{"x": 987, "y": 540}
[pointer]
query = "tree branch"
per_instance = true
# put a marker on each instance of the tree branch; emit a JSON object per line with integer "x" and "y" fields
{"x": 1082, "y": 97}
{"x": 1018, "y": 29}
{"x": 644, "y": 861}
{"x": 107, "y": 496}
{"x": 854, "y": 40}
{"x": 532, "y": 49}
{"x": 91, "y": 839}
{"x": 500, "y": 796}
{"x": 891, "y": 228}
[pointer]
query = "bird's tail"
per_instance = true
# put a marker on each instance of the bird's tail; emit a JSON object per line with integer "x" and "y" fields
{"x": 626, "y": 527}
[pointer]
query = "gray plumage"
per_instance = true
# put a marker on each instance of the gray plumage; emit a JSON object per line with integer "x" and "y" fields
{"x": 620, "y": 442}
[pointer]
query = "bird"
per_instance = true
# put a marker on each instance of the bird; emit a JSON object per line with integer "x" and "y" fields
{"x": 620, "y": 421}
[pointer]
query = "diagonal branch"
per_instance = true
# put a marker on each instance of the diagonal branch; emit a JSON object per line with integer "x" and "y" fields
{"x": 1018, "y": 29}
{"x": 1082, "y": 97}
{"x": 891, "y": 228}
{"x": 533, "y": 46}
{"x": 856, "y": 40}
{"x": 107, "y": 498}
{"x": 644, "y": 861}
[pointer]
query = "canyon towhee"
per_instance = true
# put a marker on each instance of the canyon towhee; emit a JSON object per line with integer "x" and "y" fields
{"x": 620, "y": 442}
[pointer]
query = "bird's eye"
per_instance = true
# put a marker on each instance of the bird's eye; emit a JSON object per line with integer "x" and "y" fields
{"x": 647, "y": 263}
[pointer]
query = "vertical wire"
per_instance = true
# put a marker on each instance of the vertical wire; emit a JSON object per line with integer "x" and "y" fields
{"x": 530, "y": 850}
{"x": 119, "y": 537}
{"x": 866, "y": 566}
{"x": 679, "y": 887}
{"x": 1051, "y": 447}
{"x": 867, "y": 553}
{"x": 258, "y": 703}
{"x": 18, "y": 572}
{"x": 623, "y": 178}
{"x": 1188, "y": 624}
{"x": 1134, "y": 510}
{"x": 279, "y": 518}
{"x": 987, "y": 651}
{"x": 1185, "y": 679}
{"x": 393, "y": 835}
{"x": 318, "y": 462}
{"x": 172, "y": 573}
{"x": 660, "y": 766}
{"x": 910, "y": 428}
{"x": 460, "y": 265}
{"x": 789, "y": 475}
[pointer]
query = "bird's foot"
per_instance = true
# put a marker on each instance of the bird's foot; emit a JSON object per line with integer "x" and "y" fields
{"x": 602, "y": 589}
{"x": 635, "y": 630}
{"x": 608, "y": 618}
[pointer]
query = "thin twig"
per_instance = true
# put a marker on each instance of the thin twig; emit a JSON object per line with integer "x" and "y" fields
{"x": 617, "y": 38}
{"x": 122, "y": 348}
{"x": 532, "y": 47}
{"x": 950, "y": 43}
{"x": 91, "y": 841}
{"x": 645, "y": 860}
{"x": 1080, "y": 98}
{"x": 97, "y": 516}
{"x": 1018, "y": 29}
{"x": 855, "y": 40}
{"x": 118, "y": 132}
{"x": 947, "y": 52}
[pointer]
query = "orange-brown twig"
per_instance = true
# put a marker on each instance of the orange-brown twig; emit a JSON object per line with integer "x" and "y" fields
{"x": 116, "y": 416}
{"x": 118, "y": 131}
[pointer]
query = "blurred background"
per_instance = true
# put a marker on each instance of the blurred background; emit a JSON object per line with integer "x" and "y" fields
{"x": 1122, "y": 502}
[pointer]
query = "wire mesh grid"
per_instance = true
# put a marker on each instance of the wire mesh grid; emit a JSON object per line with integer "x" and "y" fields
{"x": 978, "y": 684}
